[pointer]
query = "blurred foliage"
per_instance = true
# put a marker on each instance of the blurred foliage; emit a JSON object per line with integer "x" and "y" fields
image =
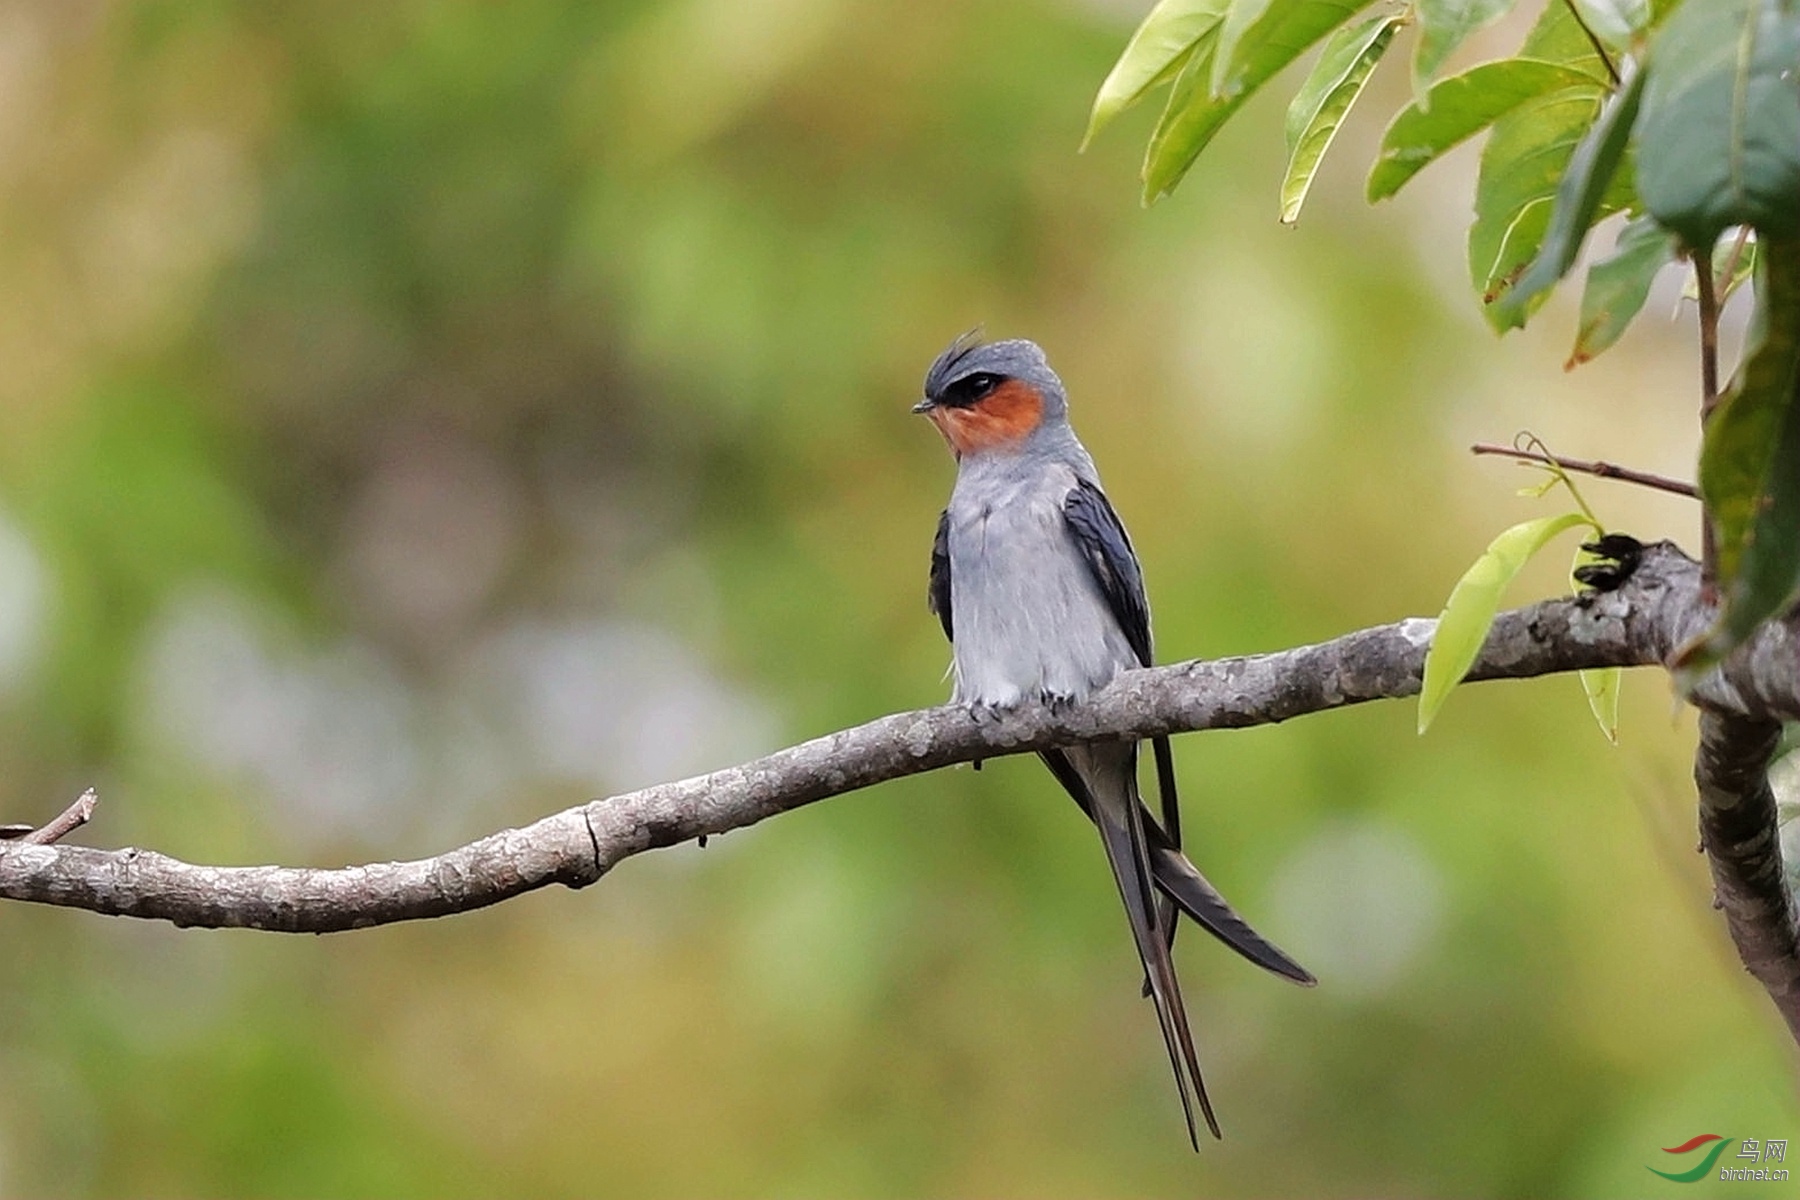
{"x": 1684, "y": 115}
{"x": 420, "y": 417}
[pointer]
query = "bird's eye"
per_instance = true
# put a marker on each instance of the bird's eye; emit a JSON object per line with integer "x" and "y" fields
{"x": 979, "y": 385}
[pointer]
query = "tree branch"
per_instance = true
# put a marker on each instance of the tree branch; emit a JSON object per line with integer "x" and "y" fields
{"x": 1739, "y": 833}
{"x": 1658, "y": 608}
{"x": 1637, "y": 625}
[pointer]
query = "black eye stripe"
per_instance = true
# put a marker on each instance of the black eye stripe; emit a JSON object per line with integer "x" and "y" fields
{"x": 971, "y": 388}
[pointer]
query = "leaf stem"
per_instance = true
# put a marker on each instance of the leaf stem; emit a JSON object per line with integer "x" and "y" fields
{"x": 1532, "y": 443}
{"x": 1603, "y": 470}
{"x": 1605, "y": 58}
{"x": 1709, "y": 389}
{"x": 1709, "y": 336}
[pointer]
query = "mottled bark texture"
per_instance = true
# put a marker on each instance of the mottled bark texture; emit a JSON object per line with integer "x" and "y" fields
{"x": 1743, "y": 848}
{"x": 1659, "y": 607}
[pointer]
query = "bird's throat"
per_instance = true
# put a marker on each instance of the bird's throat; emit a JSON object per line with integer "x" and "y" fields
{"x": 1003, "y": 418}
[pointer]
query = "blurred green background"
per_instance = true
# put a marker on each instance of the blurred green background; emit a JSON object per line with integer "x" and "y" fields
{"x": 421, "y": 417}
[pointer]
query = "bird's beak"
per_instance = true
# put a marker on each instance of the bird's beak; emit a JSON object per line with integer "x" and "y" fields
{"x": 925, "y": 405}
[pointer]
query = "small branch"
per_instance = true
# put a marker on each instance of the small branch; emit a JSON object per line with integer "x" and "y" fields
{"x": 1604, "y": 470}
{"x": 1639, "y": 624}
{"x": 66, "y": 822}
{"x": 1739, "y": 832}
{"x": 1605, "y": 58}
{"x": 1709, "y": 335}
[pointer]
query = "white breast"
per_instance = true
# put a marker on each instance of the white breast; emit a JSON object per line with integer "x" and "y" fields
{"x": 1029, "y": 618}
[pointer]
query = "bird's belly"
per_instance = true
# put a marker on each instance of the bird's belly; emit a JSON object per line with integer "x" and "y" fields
{"x": 1030, "y": 620}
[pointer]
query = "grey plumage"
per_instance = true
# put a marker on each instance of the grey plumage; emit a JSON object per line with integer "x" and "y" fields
{"x": 1029, "y": 618}
{"x": 1038, "y": 588}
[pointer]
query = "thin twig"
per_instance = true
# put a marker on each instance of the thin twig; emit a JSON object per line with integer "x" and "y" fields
{"x": 66, "y": 822}
{"x": 1604, "y": 470}
{"x": 1605, "y": 58}
{"x": 1709, "y": 336}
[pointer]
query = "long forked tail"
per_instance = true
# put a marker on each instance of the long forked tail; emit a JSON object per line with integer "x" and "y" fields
{"x": 1107, "y": 776}
{"x": 1179, "y": 880}
{"x": 1182, "y": 882}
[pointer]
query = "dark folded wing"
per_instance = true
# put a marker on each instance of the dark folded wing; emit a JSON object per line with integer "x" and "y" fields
{"x": 1102, "y": 541}
{"x": 939, "y": 594}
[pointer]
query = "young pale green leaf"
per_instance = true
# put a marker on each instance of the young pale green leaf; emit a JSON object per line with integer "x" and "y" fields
{"x": 1742, "y": 268}
{"x": 1461, "y": 107}
{"x": 1599, "y": 684}
{"x": 1741, "y": 271}
{"x": 1268, "y": 36}
{"x": 1750, "y": 470}
{"x": 1538, "y": 491}
{"x": 1618, "y": 285}
{"x": 1578, "y": 199}
{"x": 1242, "y": 15}
{"x": 1325, "y": 99}
{"x": 1444, "y": 25}
{"x": 1469, "y": 612}
{"x": 1615, "y": 22}
{"x": 1720, "y": 136}
{"x": 1194, "y": 116}
{"x": 1155, "y": 54}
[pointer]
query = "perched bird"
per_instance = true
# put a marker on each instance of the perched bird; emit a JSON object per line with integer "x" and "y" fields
{"x": 1041, "y": 596}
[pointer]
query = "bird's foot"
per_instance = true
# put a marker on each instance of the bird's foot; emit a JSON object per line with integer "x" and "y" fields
{"x": 982, "y": 711}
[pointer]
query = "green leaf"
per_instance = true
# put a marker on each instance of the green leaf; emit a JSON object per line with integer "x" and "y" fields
{"x": 1460, "y": 107}
{"x": 1469, "y": 612}
{"x": 1579, "y": 196}
{"x": 1193, "y": 115}
{"x": 1155, "y": 54}
{"x": 1521, "y": 167}
{"x": 1600, "y": 684}
{"x": 1527, "y": 154}
{"x": 1615, "y": 22}
{"x": 1720, "y": 136}
{"x": 1618, "y": 285}
{"x": 1323, "y": 101}
{"x": 1444, "y": 25}
{"x": 1238, "y": 21}
{"x": 1750, "y": 470}
{"x": 1741, "y": 270}
{"x": 1265, "y": 36}
{"x": 1518, "y": 242}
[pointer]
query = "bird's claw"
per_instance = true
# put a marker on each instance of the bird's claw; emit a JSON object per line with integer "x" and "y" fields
{"x": 982, "y": 711}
